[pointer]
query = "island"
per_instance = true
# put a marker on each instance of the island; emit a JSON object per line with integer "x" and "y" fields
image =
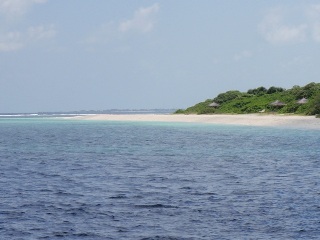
{"x": 296, "y": 100}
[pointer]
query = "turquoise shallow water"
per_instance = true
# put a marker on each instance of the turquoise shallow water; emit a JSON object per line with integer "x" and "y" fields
{"x": 63, "y": 179}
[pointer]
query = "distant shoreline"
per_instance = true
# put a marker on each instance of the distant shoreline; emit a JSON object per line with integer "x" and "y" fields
{"x": 290, "y": 121}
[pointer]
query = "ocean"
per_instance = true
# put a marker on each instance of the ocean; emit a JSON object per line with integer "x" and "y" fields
{"x": 74, "y": 179}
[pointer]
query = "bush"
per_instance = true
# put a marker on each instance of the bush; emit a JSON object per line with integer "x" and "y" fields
{"x": 259, "y": 98}
{"x": 257, "y": 91}
{"x": 179, "y": 111}
{"x": 227, "y": 96}
{"x": 275, "y": 89}
{"x": 253, "y": 109}
{"x": 310, "y": 89}
{"x": 315, "y": 109}
{"x": 208, "y": 110}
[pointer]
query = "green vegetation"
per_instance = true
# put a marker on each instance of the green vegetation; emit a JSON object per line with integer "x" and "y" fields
{"x": 259, "y": 99}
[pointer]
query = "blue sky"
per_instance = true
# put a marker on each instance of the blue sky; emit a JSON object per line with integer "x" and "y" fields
{"x": 60, "y": 55}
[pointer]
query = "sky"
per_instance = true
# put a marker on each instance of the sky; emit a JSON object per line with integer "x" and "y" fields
{"x": 58, "y": 55}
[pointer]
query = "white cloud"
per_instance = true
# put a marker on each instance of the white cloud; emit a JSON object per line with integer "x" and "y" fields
{"x": 142, "y": 20}
{"x": 14, "y": 8}
{"x": 15, "y": 40}
{"x": 10, "y": 41}
{"x": 242, "y": 55}
{"x": 313, "y": 11}
{"x": 41, "y": 32}
{"x": 275, "y": 31}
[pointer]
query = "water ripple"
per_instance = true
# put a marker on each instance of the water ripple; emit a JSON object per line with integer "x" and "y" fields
{"x": 108, "y": 180}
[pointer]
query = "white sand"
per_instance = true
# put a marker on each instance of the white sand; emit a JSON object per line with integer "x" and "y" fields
{"x": 291, "y": 121}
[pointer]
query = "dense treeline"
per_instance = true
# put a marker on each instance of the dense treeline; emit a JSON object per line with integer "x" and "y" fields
{"x": 260, "y": 99}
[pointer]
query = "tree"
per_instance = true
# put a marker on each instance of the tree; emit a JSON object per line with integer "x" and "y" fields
{"x": 257, "y": 91}
{"x": 310, "y": 89}
{"x": 275, "y": 89}
{"x": 227, "y": 96}
{"x": 316, "y": 106}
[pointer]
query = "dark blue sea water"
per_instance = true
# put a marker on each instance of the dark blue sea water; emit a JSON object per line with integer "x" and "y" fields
{"x": 65, "y": 179}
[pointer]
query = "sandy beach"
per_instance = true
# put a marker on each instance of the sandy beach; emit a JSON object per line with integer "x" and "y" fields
{"x": 290, "y": 121}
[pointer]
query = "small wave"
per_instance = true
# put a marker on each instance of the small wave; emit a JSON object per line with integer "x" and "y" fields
{"x": 70, "y": 233}
{"x": 118, "y": 197}
{"x": 216, "y": 198}
{"x": 165, "y": 238}
{"x": 158, "y": 205}
{"x": 20, "y": 115}
{"x": 85, "y": 234}
{"x": 12, "y": 214}
{"x": 63, "y": 193}
{"x": 204, "y": 193}
{"x": 11, "y": 115}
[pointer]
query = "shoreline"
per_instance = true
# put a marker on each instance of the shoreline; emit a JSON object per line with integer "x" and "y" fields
{"x": 290, "y": 121}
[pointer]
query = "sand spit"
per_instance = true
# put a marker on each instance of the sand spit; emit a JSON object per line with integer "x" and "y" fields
{"x": 291, "y": 121}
